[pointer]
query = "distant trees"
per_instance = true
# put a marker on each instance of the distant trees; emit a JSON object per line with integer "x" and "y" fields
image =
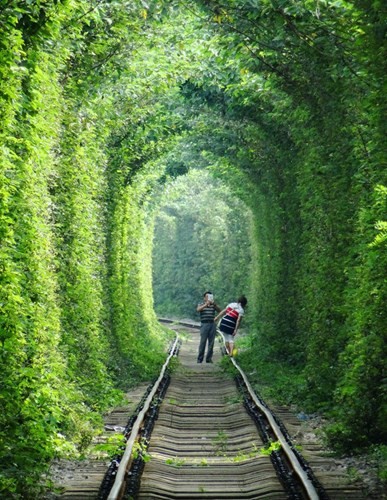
{"x": 202, "y": 241}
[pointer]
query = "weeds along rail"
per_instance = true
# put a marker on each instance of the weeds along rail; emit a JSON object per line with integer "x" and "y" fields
{"x": 189, "y": 458}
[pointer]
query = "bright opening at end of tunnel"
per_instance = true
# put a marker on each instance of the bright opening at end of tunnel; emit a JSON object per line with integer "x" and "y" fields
{"x": 202, "y": 241}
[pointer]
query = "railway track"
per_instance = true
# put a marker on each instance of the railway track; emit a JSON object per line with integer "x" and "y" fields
{"x": 211, "y": 438}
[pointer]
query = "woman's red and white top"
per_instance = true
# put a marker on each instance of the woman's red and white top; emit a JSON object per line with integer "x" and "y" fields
{"x": 229, "y": 320}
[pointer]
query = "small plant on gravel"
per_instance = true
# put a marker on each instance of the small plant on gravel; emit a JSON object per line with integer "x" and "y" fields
{"x": 273, "y": 446}
{"x": 173, "y": 364}
{"x": 227, "y": 367}
{"x": 379, "y": 456}
{"x": 231, "y": 400}
{"x": 140, "y": 449}
{"x": 240, "y": 457}
{"x": 353, "y": 475}
{"x": 113, "y": 446}
{"x": 220, "y": 443}
{"x": 175, "y": 461}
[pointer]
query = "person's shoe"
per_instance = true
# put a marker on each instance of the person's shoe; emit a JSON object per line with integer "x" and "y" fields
{"x": 199, "y": 361}
{"x": 209, "y": 361}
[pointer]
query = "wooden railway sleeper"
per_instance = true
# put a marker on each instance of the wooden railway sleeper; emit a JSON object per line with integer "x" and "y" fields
{"x": 135, "y": 471}
{"x": 284, "y": 470}
{"x": 111, "y": 472}
{"x": 296, "y": 477}
{"x": 138, "y": 463}
{"x": 321, "y": 491}
{"x": 162, "y": 383}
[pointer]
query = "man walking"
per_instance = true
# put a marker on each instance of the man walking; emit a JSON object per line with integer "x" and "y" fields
{"x": 207, "y": 310}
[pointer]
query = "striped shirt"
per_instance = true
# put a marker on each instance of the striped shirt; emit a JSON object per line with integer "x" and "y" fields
{"x": 229, "y": 320}
{"x": 207, "y": 315}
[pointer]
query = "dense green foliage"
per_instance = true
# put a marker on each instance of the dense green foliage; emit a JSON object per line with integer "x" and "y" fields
{"x": 312, "y": 144}
{"x": 66, "y": 336}
{"x": 102, "y": 102}
{"x": 201, "y": 242}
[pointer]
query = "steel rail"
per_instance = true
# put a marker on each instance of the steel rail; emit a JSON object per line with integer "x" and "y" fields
{"x": 117, "y": 489}
{"x": 119, "y": 483}
{"x": 305, "y": 481}
{"x": 182, "y": 322}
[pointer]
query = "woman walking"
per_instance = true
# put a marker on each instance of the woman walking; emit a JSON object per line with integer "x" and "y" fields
{"x": 231, "y": 319}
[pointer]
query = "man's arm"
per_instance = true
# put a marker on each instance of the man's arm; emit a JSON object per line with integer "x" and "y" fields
{"x": 201, "y": 306}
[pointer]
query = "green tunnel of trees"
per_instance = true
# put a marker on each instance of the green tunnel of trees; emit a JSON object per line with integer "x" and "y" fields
{"x": 103, "y": 103}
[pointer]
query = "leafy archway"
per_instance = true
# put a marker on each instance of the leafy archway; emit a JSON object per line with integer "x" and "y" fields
{"x": 285, "y": 101}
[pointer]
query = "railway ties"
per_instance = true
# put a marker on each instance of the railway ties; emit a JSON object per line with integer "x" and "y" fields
{"x": 204, "y": 444}
{"x": 204, "y": 435}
